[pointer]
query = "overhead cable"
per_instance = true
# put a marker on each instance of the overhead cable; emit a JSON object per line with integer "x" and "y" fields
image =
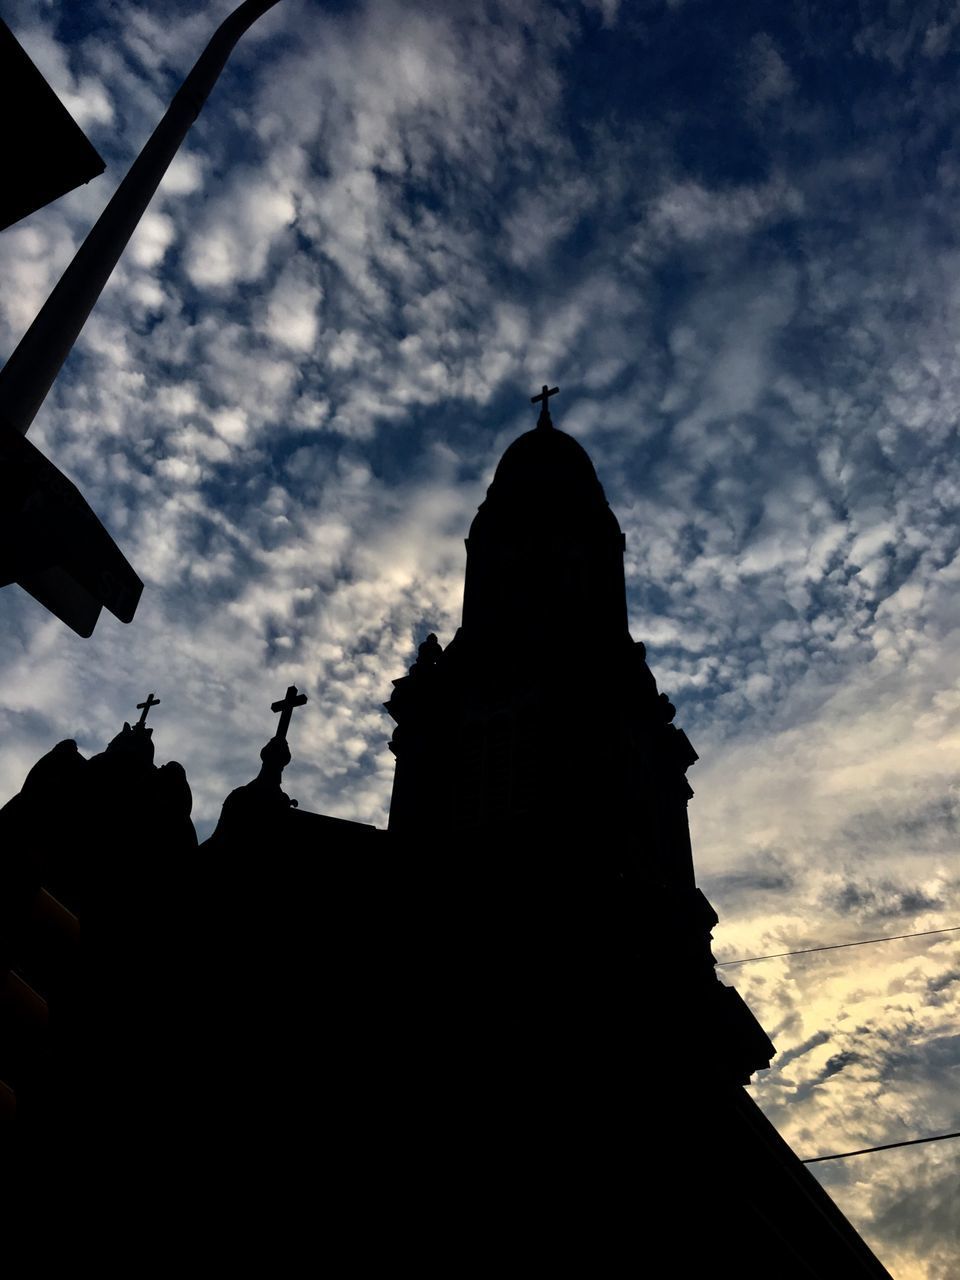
{"x": 886, "y": 1146}
{"x": 838, "y": 946}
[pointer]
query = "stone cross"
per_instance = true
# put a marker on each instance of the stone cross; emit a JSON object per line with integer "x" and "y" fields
{"x": 285, "y": 706}
{"x": 543, "y": 397}
{"x": 144, "y": 707}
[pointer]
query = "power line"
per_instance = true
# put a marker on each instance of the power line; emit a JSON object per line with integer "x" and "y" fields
{"x": 838, "y": 946}
{"x": 887, "y": 1146}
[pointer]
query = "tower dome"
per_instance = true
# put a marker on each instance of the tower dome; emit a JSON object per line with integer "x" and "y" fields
{"x": 546, "y": 467}
{"x": 545, "y": 551}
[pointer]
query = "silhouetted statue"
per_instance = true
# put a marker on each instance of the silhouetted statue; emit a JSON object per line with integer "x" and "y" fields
{"x": 134, "y": 804}
{"x": 428, "y": 655}
{"x": 71, "y": 810}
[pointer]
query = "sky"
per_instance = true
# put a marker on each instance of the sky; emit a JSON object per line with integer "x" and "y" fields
{"x": 729, "y": 234}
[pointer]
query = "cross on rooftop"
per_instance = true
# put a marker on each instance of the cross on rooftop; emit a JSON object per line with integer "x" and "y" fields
{"x": 144, "y": 707}
{"x": 543, "y": 397}
{"x": 285, "y": 706}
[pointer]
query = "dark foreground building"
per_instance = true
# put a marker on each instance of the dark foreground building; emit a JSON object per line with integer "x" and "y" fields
{"x": 493, "y": 1036}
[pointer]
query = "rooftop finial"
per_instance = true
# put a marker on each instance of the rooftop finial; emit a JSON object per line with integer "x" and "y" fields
{"x": 285, "y": 706}
{"x": 144, "y": 708}
{"x": 544, "y": 419}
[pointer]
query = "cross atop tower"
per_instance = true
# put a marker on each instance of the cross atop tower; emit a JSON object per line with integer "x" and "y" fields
{"x": 144, "y": 708}
{"x": 285, "y": 706}
{"x": 544, "y": 419}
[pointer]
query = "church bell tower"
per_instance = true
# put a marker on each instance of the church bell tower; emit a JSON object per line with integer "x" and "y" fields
{"x": 538, "y": 745}
{"x": 541, "y": 720}
{"x": 539, "y": 823}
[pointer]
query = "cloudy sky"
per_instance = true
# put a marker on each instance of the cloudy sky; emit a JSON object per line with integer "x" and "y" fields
{"x": 729, "y": 233}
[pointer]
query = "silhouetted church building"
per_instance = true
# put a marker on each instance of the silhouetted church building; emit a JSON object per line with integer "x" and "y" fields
{"x": 492, "y": 1035}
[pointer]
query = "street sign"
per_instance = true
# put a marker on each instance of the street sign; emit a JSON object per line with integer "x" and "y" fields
{"x": 53, "y": 545}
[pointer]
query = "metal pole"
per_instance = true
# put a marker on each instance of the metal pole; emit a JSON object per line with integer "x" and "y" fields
{"x": 30, "y": 372}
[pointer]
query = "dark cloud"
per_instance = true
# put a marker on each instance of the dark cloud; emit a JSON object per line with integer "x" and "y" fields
{"x": 933, "y": 822}
{"x": 766, "y": 876}
{"x": 914, "y": 1207}
{"x": 929, "y": 1059}
{"x": 936, "y": 986}
{"x": 784, "y": 1059}
{"x": 879, "y": 900}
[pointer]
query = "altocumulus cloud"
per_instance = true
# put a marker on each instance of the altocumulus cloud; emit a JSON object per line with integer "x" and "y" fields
{"x": 730, "y": 237}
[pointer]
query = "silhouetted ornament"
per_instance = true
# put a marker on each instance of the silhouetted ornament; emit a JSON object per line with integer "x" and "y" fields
{"x": 543, "y": 400}
{"x": 144, "y": 707}
{"x": 285, "y": 706}
{"x": 667, "y": 709}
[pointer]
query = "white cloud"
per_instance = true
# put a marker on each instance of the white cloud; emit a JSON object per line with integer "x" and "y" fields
{"x": 238, "y": 232}
{"x": 291, "y": 318}
{"x": 689, "y": 211}
{"x": 231, "y": 425}
{"x": 33, "y": 255}
{"x": 151, "y": 240}
{"x": 184, "y": 176}
{"x": 83, "y": 96}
